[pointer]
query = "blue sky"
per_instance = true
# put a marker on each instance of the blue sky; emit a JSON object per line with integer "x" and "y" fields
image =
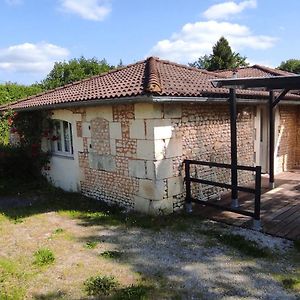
{"x": 35, "y": 34}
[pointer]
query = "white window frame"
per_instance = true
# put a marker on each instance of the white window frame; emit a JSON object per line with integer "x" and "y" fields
{"x": 54, "y": 143}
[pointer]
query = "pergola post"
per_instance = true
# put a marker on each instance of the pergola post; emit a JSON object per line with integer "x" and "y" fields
{"x": 233, "y": 140}
{"x": 272, "y": 139}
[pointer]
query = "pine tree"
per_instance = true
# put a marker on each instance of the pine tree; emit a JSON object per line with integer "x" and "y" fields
{"x": 222, "y": 58}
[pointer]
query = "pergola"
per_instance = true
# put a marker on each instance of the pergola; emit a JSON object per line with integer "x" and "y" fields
{"x": 282, "y": 85}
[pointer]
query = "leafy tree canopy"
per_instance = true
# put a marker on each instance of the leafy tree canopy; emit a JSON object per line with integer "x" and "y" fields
{"x": 290, "y": 65}
{"x": 73, "y": 70}
{"x": 222, "y": 58}
{"x": 10, "y": 92}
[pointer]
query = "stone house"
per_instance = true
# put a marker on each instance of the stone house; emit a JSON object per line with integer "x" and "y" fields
{"x": 122, "y": 136}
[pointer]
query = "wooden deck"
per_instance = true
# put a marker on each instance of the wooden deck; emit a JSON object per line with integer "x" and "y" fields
{"x": 280, "y": 207}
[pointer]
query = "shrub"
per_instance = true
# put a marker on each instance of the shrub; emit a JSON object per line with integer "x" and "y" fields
{"x": 90, "y": 245}
{"x": 43, "y": 257}
{"x": 111, "y": 254}
{"x": 100, "y": 285}
{"x": 134, "y": 292}
{"x": 17, "y": 162}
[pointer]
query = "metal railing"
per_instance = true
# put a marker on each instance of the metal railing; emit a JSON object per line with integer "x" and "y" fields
{"x": 256, "y": 191}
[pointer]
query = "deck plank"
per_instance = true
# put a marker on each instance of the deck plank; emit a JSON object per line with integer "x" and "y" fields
{"x": 280, "y": 207}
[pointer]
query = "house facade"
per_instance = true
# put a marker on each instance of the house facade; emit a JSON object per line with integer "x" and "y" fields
{"x": 122, "y": 136}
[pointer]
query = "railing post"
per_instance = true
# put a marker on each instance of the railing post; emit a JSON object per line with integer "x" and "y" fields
{"x": 188, "y": 197}
{"x": 233, "y": 139}
{"x": 257, "y": 221}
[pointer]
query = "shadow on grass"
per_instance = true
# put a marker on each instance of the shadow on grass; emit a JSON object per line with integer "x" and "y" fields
{"x": 19, "y": 200}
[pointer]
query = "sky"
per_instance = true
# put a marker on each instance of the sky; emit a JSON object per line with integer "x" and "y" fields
{"x": 37, "y": 33}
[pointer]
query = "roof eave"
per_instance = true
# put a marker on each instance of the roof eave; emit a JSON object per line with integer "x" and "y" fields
{"x": 88, "y": 103}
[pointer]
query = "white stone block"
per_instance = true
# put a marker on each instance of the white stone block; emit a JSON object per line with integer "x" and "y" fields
{"x": 137, "y": 168}
{"x": 159, "y": 129}
{"x": 151, "y": 189}
{"x": 115, "y": 130}
{"x": 141, "y": 204}
{"x": 175, "y": 186}
{"x": 147, "y": 111}
{"x": 173, "y": 147}
{"x": 172, "y": 111}
{"x": 137, "y": 129}
{"x": 103, "y": 111}
{"x": 150, "y": 169}
{"x": 86, "y": 129}
{"x": 77, "y": 117}
{"x": 145, "y": 149}
{"x": 160, "y": 149}
{"x": 163, "y": 168}
{"x": 79, "y": 144}
{"x": 113, "y": 148}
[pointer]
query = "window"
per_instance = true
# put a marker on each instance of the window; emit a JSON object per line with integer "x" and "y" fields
{"x": 62, "y": 142}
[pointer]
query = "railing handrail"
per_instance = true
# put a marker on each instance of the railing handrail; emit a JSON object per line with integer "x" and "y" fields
{"x": 257, "y": 190}
{"x": 218, "y": 165}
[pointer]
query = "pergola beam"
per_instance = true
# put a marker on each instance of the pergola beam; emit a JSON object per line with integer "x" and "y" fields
{"x": 269, "y": 83}
{"x": 280, "y": 97}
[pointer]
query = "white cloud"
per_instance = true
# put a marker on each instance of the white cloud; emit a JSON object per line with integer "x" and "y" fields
{"x": 31, "y": 58}
{"x": 95, "y": 10}
{"x": 197, "y": 39}
{"x": 227, "y": 9}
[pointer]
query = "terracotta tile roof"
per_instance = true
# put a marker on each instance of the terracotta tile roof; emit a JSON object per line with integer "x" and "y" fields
{"x": 148, "y": 77}
{"x": 255, "y": 71}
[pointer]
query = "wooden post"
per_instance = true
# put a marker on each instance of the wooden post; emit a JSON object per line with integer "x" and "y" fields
{"x": 233, "y": 139}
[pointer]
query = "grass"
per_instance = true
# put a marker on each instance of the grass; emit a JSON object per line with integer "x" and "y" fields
{"x": 43, "y": 257}
{"x": 290, "y": 282}
{"x": 58, "y": 231}
{"x": 133, "y": 292}
{"x": 91, "y": 245}
{"x": 12, "y": 279}
{"x": 111, "y": 254}
{"x": 89, "y": 211}
{"x": 18, "y": 278}
{"x": 100, "y": 285}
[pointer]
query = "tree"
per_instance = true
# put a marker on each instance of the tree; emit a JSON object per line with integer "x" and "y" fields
{"x": 10, "y": 92}
{"x": 74, "y": 70}
{"x": 290, "y": 65}
{"x": 222, "y": 58}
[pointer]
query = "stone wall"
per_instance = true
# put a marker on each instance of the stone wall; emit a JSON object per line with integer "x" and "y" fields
{"x": 132, "y": 155}
{"x": 288, "y": 153}
{"x": 203, "y": 132}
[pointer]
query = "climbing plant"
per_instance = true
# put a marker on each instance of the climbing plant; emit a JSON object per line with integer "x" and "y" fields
{"x": 23, "y": 157}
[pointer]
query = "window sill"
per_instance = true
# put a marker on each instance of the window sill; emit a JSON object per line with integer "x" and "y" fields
{"x": 61, "y": 155}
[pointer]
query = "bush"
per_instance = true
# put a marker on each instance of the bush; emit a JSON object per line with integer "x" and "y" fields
{"x": 139, "y": 292}
{"x": 100, "y": 285}
{"x": 111, "y": 254}
{"x": 18, "y": 162}
{"x": 43, "y": 257}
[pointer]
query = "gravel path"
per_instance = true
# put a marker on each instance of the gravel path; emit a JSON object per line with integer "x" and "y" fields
{"x": 200, "y": 271}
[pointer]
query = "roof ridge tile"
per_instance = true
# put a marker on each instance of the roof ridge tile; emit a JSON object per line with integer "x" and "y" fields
{"x": 153, "y": 84}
